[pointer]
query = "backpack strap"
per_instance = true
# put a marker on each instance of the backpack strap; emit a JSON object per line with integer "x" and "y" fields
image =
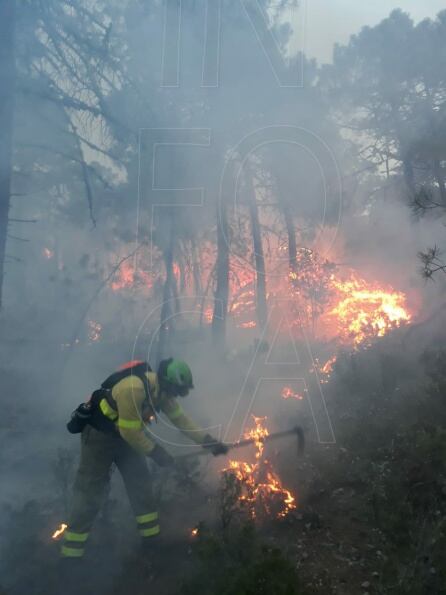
{"x": 139, "y": 370}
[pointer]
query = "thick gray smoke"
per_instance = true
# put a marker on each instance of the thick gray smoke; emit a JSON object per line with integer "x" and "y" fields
{"x": 173, "y": 165}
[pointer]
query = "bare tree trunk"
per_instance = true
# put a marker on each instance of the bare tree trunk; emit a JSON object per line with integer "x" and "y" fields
{"x": 409, "y": 177}
{"x": 7, "y": 80}
{"x": 166, "y": 307}
{"x": 406, "y": 157}
{"x": 291, "y": 234}
{"x": 221, "y": 295}
{"x": 176, "y": 295}
{"x": 196, "y": 271}
{"x": 290, "y": 230}
{"x": 259, "y": 258}
{"x": 438, "y": 172}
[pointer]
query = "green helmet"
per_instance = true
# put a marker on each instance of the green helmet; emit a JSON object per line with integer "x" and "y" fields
{"x": 179, "y": 374}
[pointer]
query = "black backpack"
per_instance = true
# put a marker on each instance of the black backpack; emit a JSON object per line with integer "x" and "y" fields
{"x": 90, "y": 413}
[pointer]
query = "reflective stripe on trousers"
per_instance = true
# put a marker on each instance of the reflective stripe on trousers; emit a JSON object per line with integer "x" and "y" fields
{"x": 74, "y": 544}
{"x": 148, "y": 525}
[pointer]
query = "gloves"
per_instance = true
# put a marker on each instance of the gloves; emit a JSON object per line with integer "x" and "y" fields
{"x": 161, "y": 456}
{"x": 216, "y": 447}
{"x": 79, "y": 418}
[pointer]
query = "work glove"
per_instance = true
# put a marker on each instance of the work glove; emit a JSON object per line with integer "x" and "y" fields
{"x": 161, "y": 457}
{"x": 79, "y": 418}
{"x": 216, "y": 447}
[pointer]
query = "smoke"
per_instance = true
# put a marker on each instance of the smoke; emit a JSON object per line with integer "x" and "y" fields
{"x": 153, "y": 147}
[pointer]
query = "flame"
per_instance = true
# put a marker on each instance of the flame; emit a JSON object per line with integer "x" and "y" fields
{"x": 124, "y": 277}
{"x": 327, "y": 368}
{"x": 208, "y": 313}
{"x": 194, "y": 532}
{"x": 363, "y": 312}
{"x": 60, "y": 531}
{"x": 248, "y": 324}
{"x": 339, "y": 302}
{"x": 261, "y": 490}
{"x": 289, "y": 393}
{"x": 127, "y": 277}
{"x": 333, "y": 302}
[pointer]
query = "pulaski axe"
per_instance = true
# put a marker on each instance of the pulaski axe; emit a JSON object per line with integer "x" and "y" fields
{"x": 296, "y": 431}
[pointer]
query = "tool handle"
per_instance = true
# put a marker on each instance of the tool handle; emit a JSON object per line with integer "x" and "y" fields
{"x": 298, "y": 431}
{"x": 246, "y": 442}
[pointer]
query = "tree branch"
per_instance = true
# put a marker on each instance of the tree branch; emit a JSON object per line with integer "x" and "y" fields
{"x": 76, "y": 332}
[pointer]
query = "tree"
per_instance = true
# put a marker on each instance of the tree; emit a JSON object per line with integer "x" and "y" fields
{"x": 259, "y": 257}
{"x": 66, "y": 64}
{"x": 388, "y": 92}
{"x": 7, "y": 98}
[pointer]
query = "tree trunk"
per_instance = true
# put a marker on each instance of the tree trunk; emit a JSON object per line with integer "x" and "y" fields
{"x": 438, "y": 172}
{"x": 196, "y": 272}
{"x": 259, "y": 258}
{"x": 165, "y": 328}
{"x": 7, "y": 80}
{"x": 291, "y": 234}
{"x": 406, "y": 157}
{"x": 409, "y": 177}
{"x": 290, "y": 230}
{"x": 221, "y": 295}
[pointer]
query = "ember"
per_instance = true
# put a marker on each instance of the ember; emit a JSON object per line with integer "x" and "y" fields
{"x": 94, "y": 331}
{"x": 60, "y": 531}
{"x": 325, "y": 370}
{"x": 48, "y": 254}
{"x": 289, "y": 393}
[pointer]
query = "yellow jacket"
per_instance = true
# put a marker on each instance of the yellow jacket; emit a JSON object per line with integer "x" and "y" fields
{"x": 131, "y": 410}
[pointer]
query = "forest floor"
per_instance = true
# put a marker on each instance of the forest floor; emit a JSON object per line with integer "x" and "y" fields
{"x": 370, "y": 516}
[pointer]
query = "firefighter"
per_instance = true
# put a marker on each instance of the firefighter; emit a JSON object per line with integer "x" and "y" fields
{"x": 112, "y": 426}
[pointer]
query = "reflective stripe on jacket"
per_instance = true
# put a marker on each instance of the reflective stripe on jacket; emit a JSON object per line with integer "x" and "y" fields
{"x": 129, "y": 408}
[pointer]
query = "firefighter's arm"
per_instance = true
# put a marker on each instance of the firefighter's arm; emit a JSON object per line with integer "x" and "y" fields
{"x": 183, "y": 422}
{"x": 129, "y": 396}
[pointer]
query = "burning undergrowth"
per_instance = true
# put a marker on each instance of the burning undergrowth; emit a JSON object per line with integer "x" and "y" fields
{"x": 330, "y": 301}
{"x": 252, "y": 487}
{"x": 338, "y": 303}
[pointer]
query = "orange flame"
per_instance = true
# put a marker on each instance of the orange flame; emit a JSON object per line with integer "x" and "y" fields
{"x": 346, "y": 306}
{"x": 334, "y": 302}
{"x": 261, "y": 490}
{"x": 124, "y": 277}
{"x": 326, "y": 370}
{"x": 363, "y": 312}
{"x": 127, "y": 277}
